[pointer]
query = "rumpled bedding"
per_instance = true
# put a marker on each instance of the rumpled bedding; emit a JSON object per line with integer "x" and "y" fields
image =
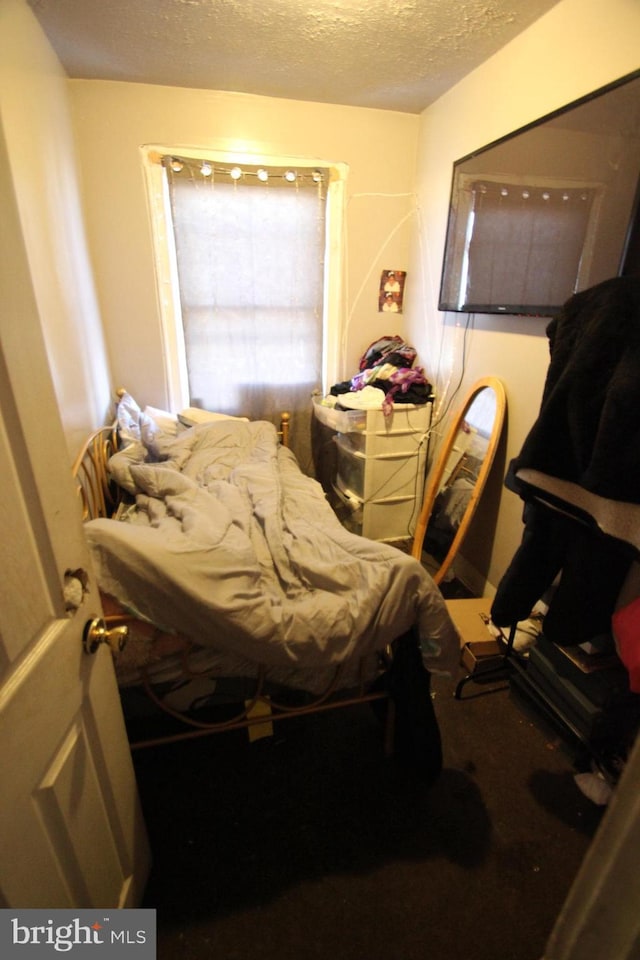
{"x": 231, "y": 546}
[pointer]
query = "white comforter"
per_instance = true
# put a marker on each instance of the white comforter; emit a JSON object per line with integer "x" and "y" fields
{"x": 232, "y": 546}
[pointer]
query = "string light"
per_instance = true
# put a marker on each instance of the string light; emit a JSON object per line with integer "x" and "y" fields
{"x": 208, "y": 168}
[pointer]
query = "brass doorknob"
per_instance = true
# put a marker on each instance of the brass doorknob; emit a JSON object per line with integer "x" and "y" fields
{"x": 97, "y": 632}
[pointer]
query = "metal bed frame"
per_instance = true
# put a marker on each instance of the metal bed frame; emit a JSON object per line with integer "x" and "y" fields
{"x": 100, "y": 497}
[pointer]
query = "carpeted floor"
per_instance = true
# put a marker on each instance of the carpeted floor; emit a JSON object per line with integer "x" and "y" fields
{"x": 312, "y": 844}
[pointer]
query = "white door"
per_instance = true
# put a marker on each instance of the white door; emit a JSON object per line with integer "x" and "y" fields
{"x": 71, "y": 830}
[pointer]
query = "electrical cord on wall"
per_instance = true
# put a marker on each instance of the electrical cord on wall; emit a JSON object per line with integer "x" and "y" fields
{"x": 443, "y": 413}
{"x": 375, "y": 260}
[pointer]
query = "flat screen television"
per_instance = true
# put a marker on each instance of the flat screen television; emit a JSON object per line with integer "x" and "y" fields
{"x": 547, "y": 210}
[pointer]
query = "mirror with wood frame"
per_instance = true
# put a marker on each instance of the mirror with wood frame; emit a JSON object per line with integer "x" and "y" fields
{"x": 458, "y": 476}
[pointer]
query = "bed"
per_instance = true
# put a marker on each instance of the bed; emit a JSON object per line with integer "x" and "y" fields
{"x": 241, "y": 587}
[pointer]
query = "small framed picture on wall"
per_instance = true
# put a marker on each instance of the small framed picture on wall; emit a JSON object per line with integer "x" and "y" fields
{"x": 391, "y": 291}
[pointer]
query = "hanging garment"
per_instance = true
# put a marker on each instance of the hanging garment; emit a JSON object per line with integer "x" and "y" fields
{"x": 587, "y": 432}
{"x": 588, "y": 427}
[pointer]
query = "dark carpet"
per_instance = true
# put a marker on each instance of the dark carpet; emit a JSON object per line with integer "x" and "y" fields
{"x": 312, "y": 844}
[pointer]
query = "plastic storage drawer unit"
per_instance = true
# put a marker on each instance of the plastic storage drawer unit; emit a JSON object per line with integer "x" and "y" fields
{"x": 388, "y": 519}
{"x": 405, "y": 417}
{"x": 380, "y": 466}
{"x": 380, "y": 476}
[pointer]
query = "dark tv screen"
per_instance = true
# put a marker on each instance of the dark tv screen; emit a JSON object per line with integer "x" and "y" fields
{"x": 548, "y": 210}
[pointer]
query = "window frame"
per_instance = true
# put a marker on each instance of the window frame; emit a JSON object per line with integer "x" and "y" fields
{"x": 170, "y": 313}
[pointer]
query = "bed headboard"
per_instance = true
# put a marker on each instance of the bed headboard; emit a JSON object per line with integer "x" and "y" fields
{"x": 99, "y": 497}
{"x": 283, "y": 432}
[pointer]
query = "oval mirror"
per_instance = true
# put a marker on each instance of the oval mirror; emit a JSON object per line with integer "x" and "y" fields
{"x": 458, "y": 476}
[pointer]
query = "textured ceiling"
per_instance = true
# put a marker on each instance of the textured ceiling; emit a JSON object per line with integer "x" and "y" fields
{"x": 390, "y": 54}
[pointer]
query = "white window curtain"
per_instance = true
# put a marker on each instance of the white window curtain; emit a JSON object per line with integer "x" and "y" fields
{"x": 250, "y": 254}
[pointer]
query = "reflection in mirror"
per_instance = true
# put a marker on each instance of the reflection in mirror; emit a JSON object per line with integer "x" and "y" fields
{"x": 457, "y": 478}
{"x": 548, "y": 210}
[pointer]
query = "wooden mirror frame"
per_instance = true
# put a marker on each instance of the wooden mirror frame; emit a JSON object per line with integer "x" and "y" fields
{"x": 435, "y": 475}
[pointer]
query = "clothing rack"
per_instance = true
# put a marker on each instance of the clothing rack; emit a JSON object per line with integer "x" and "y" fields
{"x": 612, "y": 518}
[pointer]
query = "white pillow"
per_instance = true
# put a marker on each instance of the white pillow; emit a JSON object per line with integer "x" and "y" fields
{"x": 128, "y": 417}
{"x": 149, "y": 429}
{"x": 194, "y": 415}
{"x": 146, "y": 425}
{"x": 165, "y": 421}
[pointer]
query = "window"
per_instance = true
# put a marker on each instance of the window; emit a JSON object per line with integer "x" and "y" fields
{"x": 247, "y": 286}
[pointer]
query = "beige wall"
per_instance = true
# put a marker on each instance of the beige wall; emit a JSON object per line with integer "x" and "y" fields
{"x": 37, "y": 127}
{"x": 578, "y": 46}
{"x": 113, "y": 120}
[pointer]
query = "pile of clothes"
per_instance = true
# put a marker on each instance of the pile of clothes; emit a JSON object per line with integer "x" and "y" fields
{"x": 386, "y": 376}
